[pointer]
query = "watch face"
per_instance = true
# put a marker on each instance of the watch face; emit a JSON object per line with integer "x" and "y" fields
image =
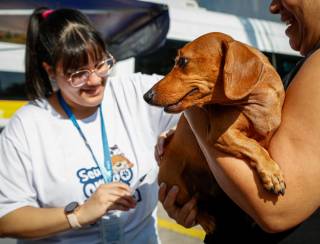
{"x": 71, "y": 207}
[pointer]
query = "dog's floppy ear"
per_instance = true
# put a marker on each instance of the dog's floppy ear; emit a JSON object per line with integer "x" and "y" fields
{"x": 242, "y": 70}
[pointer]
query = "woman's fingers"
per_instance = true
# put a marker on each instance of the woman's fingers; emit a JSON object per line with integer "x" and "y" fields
{"x": 162, "y": 192}
{"x": 156, "y": 155}
{"x": 169, "y": 202}
{"x": 160, "y": 143}
{"x": 188, "y": 213}
{"x": 185, "y": 210}
{"x": 159, "y": 148}
{"x": 185, "y": 216}
{"x": 191, "y": 219}
{"x": 171, "y": 197}
{"x": 163, "y": 140}
{"x": 115, "y": 193}
{"x": 126, "y": 201}
{"x": 171, "y": 131}
{"x": 120, "y": 205}
{"x": 120, "y": 193}
{"x": 117, "y": 185}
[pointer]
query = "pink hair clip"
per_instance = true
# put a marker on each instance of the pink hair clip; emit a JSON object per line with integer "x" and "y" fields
{"x": 46, "y": 13}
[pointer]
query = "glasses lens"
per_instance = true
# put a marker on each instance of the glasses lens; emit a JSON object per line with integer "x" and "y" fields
{"x": 103, "y": 69}
{"x": 79, "y": 78}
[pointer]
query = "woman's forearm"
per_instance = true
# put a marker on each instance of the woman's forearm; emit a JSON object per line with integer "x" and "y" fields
{"x": 33, "y": 223}
{"x": 243, "y": 186}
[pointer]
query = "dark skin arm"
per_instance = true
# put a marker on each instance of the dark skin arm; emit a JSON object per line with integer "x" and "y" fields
{"x": 294, "y": 147}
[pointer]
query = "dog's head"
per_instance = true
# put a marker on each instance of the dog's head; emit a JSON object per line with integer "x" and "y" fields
{"x": 213, "y": 68}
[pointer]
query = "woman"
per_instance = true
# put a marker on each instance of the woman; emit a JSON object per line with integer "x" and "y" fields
{"x": 76, "y": 163}
{"x": 294, "y": 217}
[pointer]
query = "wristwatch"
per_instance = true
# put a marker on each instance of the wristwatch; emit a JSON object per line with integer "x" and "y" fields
{"x": 72, "y": 218}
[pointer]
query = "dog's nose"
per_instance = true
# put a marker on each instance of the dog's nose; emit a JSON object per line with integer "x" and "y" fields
{"x": 148, "y": 96}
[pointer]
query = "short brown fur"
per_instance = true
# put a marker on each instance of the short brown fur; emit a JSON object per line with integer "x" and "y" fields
{"x": 243, "y": 96}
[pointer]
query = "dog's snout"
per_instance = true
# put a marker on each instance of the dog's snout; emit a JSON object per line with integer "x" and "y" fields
{"x": 148, "y": 96}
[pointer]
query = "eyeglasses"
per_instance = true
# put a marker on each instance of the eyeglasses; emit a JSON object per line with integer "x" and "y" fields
{"x": 80, "y": 77}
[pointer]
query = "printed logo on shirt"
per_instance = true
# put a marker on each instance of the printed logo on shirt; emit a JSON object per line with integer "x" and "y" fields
{"x": 122, "y": 172}
{"x": 91, "y": 179}
{"x": 121, "y": 166}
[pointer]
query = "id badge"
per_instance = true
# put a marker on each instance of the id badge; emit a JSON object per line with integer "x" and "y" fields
{"x": 111, "y": 228}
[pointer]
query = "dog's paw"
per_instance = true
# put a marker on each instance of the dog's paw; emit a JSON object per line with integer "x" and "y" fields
{"x": 272, "y": 178}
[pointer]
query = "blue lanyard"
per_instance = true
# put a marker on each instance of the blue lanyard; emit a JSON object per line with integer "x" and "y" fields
{"x": 106, "y": 168}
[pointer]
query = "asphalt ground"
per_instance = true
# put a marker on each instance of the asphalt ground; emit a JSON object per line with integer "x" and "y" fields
{"x": 172, "y": 233}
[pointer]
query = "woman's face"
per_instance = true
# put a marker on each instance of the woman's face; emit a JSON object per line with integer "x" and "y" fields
{"x": 302, "y": 20}
{"x": 89, "y": 95}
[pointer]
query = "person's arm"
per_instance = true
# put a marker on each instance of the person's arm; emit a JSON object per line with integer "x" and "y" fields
{"x": 30, "y": 222}
{"x": 34, "y": 223}
{"x": 294, "y": 146}
{"x": 21, "y": 216}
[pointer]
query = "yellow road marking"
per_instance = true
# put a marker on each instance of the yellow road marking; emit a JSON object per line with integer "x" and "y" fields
{"x": 8, "y": 108}
{"x": 170, "y": 225}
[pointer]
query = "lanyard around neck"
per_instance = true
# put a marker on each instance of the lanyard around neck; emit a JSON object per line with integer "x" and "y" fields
{"x": 106, "y": 168}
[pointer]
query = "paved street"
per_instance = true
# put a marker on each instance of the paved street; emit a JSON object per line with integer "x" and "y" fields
{"x": 172, "y": 233}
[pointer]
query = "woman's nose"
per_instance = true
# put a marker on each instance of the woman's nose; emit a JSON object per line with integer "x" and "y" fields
{"x": 94, "y": 79}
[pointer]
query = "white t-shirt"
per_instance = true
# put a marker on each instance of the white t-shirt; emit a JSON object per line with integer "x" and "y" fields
{"x": 45, "y": 163}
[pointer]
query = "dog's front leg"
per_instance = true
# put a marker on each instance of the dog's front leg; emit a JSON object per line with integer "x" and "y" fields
{"x": 234, "y": 142}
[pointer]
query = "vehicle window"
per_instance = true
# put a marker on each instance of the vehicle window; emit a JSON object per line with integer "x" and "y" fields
{"x": 161, "y": 61}
{"x": 12, "y": 86}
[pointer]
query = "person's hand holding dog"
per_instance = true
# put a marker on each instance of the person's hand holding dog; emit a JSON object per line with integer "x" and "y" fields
{"x": 185, "y": 215}
{"x": 163, "y": 139}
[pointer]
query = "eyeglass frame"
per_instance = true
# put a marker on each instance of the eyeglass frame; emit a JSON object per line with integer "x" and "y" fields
{"x": 90, "y": 71}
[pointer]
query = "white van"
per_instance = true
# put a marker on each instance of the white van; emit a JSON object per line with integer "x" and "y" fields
{"x": 188, "y": 21}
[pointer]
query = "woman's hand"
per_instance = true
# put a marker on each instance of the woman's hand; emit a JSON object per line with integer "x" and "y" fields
{"x": 49, "y": 221}
{"x": 186, "y": 215}
{"x": 113, "y": 196}
{"x": 163, "y": 139}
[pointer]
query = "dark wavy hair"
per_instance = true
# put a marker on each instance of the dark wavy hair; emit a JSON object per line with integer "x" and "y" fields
{"x": 64, "y": 36}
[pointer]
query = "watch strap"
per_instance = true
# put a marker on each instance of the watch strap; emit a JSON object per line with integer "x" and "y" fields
{"x": 73, "y": 221}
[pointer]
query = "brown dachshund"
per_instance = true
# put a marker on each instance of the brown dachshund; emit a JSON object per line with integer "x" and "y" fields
{"x": 242, "y": 94}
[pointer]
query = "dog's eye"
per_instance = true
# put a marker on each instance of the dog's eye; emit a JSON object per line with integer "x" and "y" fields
{"x": 182, "y": 62}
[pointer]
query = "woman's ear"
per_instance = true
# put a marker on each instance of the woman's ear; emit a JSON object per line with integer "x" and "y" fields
{"x": 48, "y": 68}
{"x": 51, "y": 74}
